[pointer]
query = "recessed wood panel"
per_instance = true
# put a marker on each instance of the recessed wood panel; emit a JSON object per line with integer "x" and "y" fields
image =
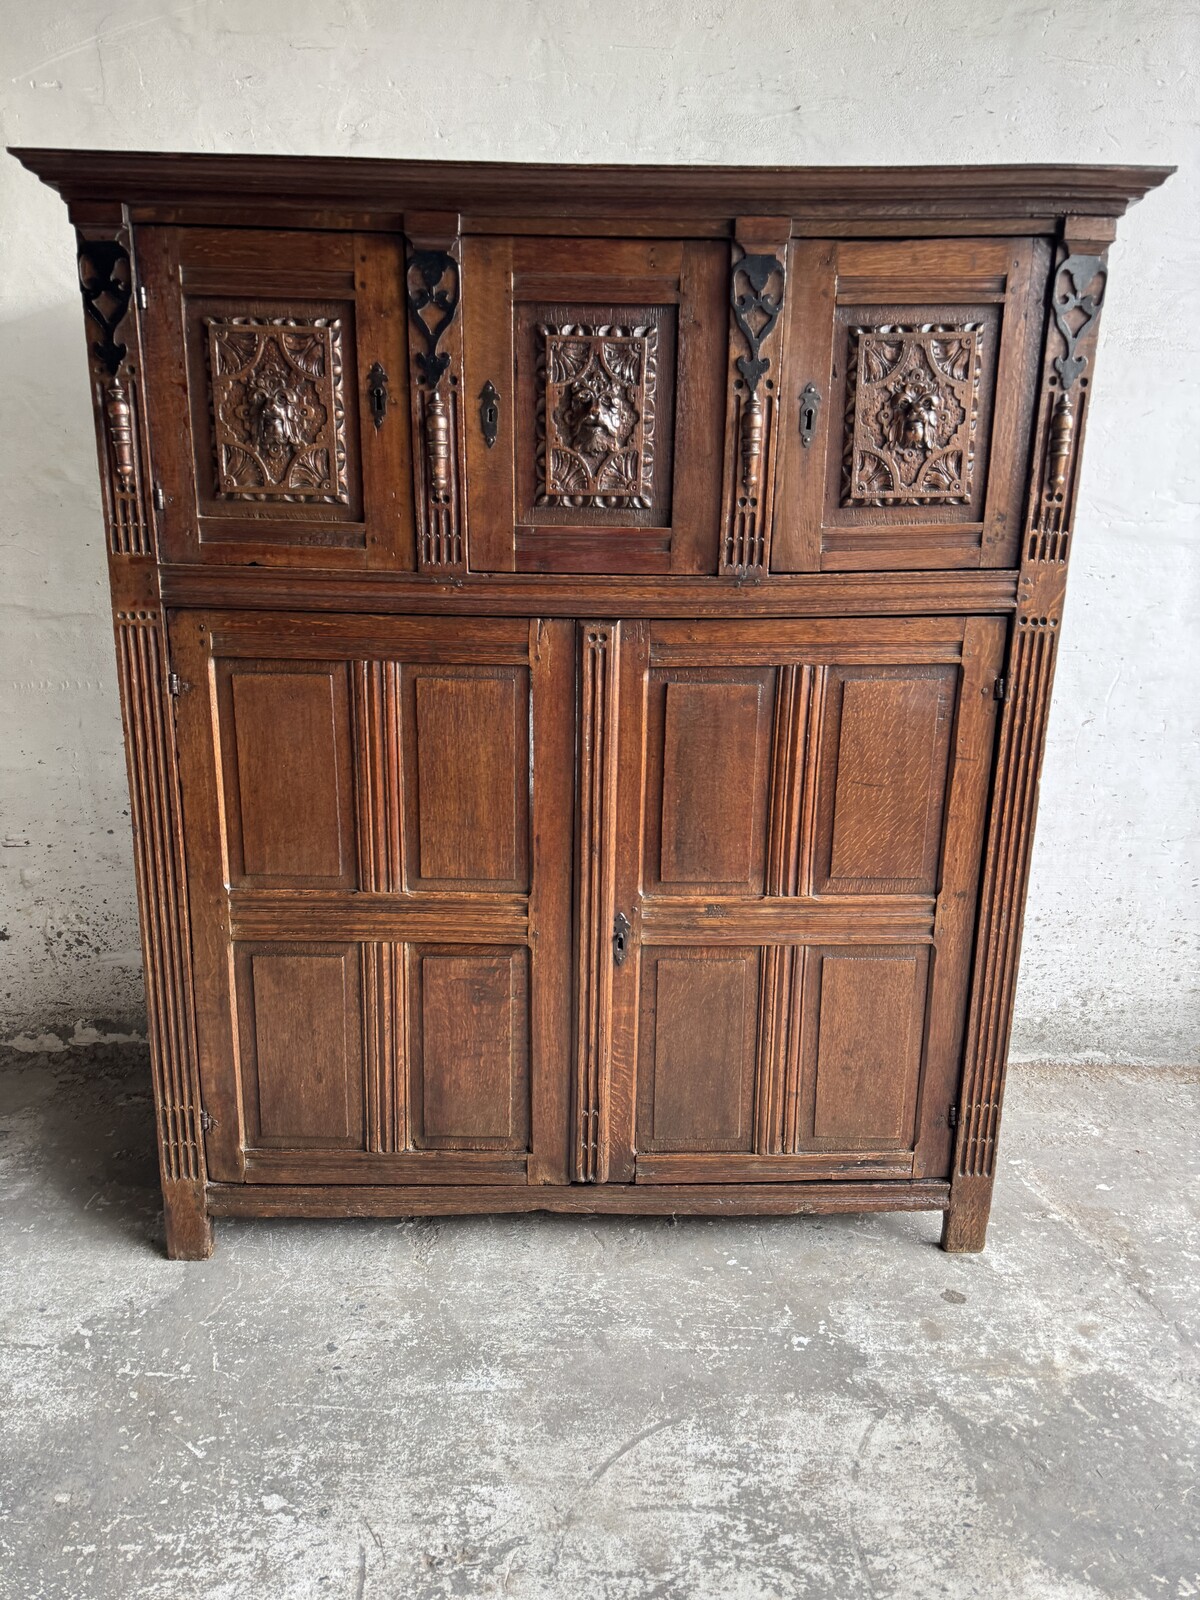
{"x": 469, "y": 1048}
{"x": 300, "y": 1027}
{"x": 886, "y": 747}
{"x": 868, "y": 1048}
{"x": 467, "y": 755}
{"x": 696, "y": 1061}
{"x": 287, "y": 775}
{"x": 709, "y": 738}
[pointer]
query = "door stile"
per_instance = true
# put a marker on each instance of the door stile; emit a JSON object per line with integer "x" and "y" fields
{"x": 621, "y": 1117}
{"x": 207, "y": 872}
{"x": 552, "y": 761}
{"x": 773, "y": 1092}
{"x": 611, "y": 719}
{"x": 962, "y": 850}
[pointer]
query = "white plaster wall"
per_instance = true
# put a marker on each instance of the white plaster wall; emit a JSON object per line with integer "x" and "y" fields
{"x": 1110, "y": 966}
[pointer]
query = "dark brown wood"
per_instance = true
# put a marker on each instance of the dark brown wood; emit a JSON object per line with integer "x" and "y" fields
{"x": 614, "y": 192}
{"x": 562, "y": 619}
{"x": 834, "y": 594}
{"x": 608, "y": 427}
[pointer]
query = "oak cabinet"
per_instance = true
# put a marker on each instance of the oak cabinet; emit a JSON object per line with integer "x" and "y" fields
{"x": 585, "y": 639}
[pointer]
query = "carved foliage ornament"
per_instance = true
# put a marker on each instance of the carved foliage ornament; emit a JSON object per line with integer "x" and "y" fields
{"x": 278, "y": 408}
{"x": 911, "y": 413}
{"x": 596, "y": 410}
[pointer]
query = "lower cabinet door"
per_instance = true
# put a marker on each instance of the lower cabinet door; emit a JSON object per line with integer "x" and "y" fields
{"x": 380, "y": 886}
{"x": 780, "y": 840}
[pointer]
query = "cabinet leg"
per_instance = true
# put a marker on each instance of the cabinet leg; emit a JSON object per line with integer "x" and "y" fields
{"x": 188, "y": 1224}
{"x": 964, "y": 1225}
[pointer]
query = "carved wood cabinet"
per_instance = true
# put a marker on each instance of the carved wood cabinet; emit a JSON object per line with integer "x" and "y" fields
{"x": 585, "y": 637}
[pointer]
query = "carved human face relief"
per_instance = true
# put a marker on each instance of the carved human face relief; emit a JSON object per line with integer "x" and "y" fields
{"x": 912, "y": 403}
{"x": 277, "y": 408}
{"x": 596, "y": 415}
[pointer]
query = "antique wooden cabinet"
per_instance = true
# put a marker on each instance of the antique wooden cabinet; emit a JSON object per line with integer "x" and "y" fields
{"x": 585, "y": 637}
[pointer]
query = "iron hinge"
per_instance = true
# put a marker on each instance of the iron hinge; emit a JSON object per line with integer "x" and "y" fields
{"x": 952, "y": 1116}
{"x": 1001, "y": 689}
{"x": 177, "y": 685}
{"x": 142, "y": 296}
{"x": 207, "y": 1122}
{"x": 160, "y": 500}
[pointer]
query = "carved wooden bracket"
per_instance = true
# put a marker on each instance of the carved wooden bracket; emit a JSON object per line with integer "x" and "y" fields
{"x": 107, "y": 287}
{"x": 433, "y": 291}
{"x": 758, "y": 276}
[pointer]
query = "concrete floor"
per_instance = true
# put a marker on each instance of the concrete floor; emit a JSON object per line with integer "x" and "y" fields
{"x": 607, "y": 1409}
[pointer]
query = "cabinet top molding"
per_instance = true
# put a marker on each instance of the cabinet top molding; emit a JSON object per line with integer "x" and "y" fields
{"x": 198, "y": 185}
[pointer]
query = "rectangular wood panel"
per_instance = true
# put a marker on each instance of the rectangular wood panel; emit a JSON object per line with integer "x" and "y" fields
{"x": 289, "y": 790}
{"x": 467, "y": 804}
{"x": 868, "y": 1048}
{"x": 696, "y": 1067}
{"x": 709, "y": 752}
{"x": 299, "y": 1012}
{"x": 883, "y": 765}
{"x": 469, "y": 1048}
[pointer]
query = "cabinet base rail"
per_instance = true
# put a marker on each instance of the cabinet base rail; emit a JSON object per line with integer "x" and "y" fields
{"x": 693, "y": 1199}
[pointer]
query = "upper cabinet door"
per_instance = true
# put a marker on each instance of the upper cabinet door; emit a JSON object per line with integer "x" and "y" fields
{"x": 595, "y": 403}
{"x": 279, "y": 396}
{"x": 911, "y": 373}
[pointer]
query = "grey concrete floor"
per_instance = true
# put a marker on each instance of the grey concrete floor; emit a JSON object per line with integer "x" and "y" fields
{"x": 603, "y": 1409}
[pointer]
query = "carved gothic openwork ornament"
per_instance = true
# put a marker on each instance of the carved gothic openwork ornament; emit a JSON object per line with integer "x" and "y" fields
{"x": 278, "y": 408}
{"x": 432, "y": 291}
{"x": 106, "y": 284}
{"x": 911, "y": 411}
{"x": 596, "y": 416}
{"x": 756, "y": 298}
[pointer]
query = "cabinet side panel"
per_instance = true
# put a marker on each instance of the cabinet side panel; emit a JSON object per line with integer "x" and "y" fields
{"x": 108, "y": 285}
{"x": 154, "y": 809}
{"x": 1072, "y": 320}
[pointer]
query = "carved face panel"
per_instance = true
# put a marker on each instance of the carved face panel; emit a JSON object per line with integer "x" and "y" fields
{"x": 278, "y": 409}
{"x": 596, "y": 414}
{"x": 911, "y": 418}
{"x": 912, "y": 403}
{"x": 596, "y": 417}
{"x": 277, "y": 416}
